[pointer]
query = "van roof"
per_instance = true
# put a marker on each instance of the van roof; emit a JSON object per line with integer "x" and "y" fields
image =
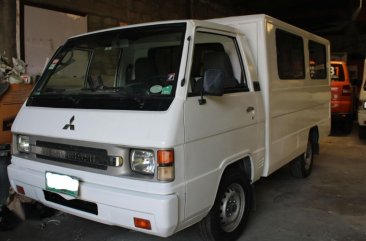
{"x": 216, "y": 23}
{"x": 194, "y": 22}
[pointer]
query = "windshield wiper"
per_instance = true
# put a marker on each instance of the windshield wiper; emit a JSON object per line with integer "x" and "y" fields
{"x": 118, "y": 90}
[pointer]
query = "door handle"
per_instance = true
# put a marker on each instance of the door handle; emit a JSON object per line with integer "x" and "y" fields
{"x": 250, "y": 109}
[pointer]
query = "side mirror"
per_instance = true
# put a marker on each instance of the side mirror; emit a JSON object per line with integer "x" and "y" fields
{"x": 213, "y": 82}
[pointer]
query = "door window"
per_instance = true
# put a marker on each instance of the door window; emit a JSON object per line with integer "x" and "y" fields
{"x": 215, "y": 51}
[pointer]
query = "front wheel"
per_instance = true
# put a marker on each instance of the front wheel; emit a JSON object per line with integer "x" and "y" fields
{"x": 228, "y": 216}
{"x": 302, "y": 166}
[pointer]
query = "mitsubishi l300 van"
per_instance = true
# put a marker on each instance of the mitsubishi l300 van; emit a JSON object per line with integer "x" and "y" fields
{"x": 158, "y": 126}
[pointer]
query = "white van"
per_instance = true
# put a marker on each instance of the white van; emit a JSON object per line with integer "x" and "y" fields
{"x": 155, "y": 127}
{"x": 362, "y": 107}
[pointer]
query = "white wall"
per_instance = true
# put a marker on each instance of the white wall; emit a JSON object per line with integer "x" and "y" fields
{"x": 44, "y": 32}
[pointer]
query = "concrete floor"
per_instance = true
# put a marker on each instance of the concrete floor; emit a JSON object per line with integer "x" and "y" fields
{"x": 328, "y": 206}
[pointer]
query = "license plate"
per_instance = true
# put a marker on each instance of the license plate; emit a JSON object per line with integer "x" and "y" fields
{"x": 62, "y": 184}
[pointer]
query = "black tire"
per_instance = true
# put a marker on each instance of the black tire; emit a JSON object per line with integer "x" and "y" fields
{"x": 302, "y": 166}
{"x": 333, "y": 127}
{"x": 362, "y": 132}
{"x": 4, "y": 180}
{"x": 348, "y": 124}
{"x": 230, "y": 212}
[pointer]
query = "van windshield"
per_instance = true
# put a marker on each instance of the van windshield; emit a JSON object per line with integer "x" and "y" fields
{"x": 125, "y": 69}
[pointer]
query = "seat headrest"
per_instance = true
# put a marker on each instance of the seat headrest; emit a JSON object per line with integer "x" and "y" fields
{"x": 220, "y": 60}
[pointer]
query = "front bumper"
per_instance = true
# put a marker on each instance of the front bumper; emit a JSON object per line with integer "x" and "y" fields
{"x": 115, "y": 205}
{"x": 341, "y": 116}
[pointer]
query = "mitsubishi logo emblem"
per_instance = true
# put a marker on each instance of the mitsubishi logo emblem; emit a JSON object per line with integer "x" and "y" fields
{"x": 70, "y": 125}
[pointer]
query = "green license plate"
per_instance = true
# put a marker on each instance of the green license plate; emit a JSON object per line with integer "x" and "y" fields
{"x": 62, "y": 184}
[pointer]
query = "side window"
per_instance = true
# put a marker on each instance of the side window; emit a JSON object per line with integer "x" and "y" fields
{"x": 317, "y": 60}
{"x": 290, "y": 55}
{"x": 214, "y": 51}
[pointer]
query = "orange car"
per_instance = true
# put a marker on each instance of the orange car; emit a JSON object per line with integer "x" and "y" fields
{"x": 10, "y": 103}
{"x": 342, "y": 102}
{"x": 12, "y": 97}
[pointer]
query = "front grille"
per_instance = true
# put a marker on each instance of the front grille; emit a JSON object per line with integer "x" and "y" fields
{"x": 78, "y": 204}
{"x": 77, "y": 155}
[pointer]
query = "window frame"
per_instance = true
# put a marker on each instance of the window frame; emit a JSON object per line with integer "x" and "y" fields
{"x": 280, "y": 73}
{"x": 243, "y": 87}
{"x": 324, "y": 53}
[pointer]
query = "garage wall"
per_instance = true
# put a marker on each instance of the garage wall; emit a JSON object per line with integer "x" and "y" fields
{"x": 101, "y": 14}
{"x": 7, "y": 28}
{"x": 131, "y": 11}
{"x": 107, "y": 13}
{"x": 42, "y": 35}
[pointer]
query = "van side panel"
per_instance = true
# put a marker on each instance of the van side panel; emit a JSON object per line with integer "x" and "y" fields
{"x": 291, "y": 106}
{"x": 296, "y": 105}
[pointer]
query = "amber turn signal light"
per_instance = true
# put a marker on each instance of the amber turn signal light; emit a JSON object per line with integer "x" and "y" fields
{"x": 166, "y": 165}
{"x": 165, "y": 157}
{"x": 142, "y": 223}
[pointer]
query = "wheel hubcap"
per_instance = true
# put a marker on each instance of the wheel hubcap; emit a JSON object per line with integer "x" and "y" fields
{"x": 232, "y": 207}
{"x": 308, "y": 156}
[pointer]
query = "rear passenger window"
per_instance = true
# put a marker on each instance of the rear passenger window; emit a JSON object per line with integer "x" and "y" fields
{"x": 290, "y": 55}
{"x": 317, "y": 60}
{"x": 214, "y": 51}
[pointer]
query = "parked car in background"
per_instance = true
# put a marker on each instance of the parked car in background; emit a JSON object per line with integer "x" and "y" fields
{"x": 12, "y": 97}
{"x": 343, "y": 104}
{"x": 362, "y": 107}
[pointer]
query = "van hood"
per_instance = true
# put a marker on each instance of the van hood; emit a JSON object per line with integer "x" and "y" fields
{"x": 162, "y": 129}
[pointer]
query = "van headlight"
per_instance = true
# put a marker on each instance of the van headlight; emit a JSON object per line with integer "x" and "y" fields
{"x": 23, "y": 144}
{"x": 143, "y": 161}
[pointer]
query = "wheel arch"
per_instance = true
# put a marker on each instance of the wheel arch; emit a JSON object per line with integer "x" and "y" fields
{"x": 209, "y": 226}
{"x": 244, "y": 165}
